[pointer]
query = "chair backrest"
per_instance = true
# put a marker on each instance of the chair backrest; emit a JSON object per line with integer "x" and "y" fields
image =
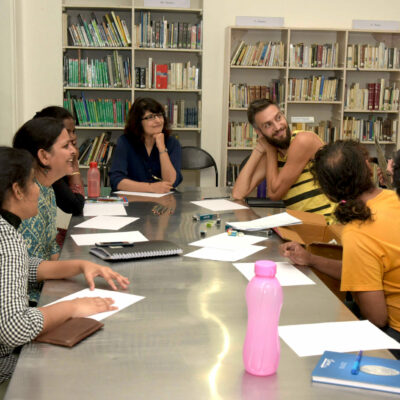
{"x": 243, "y": 163}
{"x": 196, "y": 158}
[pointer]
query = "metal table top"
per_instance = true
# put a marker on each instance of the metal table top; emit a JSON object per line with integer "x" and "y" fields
{"x": 185, "y": 339}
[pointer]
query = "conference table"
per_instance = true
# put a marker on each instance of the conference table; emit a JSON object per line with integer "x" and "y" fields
{"x": 185, "y": 339}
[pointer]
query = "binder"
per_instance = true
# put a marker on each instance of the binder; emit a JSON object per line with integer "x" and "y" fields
{"x": 153, "y": 248}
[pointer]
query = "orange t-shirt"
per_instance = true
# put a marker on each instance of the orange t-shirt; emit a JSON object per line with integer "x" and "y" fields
{"x": 371, "y": 253}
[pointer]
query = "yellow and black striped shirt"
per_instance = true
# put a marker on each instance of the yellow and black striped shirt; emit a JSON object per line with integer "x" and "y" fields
{"x": 304, "y": 194}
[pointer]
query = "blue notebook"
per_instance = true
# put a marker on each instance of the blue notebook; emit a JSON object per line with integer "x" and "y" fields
{"x": 374, "y": 373}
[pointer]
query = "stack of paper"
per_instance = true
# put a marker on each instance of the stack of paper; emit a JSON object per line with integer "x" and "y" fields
{"x": 223, "y": 247}
{"x": 273, "y": 221}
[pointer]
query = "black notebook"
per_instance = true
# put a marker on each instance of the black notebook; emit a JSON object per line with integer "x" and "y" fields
{"x": 153, "y": 248}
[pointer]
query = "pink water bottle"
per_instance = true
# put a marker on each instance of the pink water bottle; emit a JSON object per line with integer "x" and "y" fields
{"x": 93, "y": 180}
{"x": 261, "y": 349}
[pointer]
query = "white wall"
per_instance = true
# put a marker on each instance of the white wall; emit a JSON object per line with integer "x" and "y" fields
{"x": 39, "y": 65}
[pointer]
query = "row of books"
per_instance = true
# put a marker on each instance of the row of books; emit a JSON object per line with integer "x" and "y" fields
{"x": 370, "y": 56}
{"x": 314, "y": 55}
{"x": 375, "y": 97}
{"x": 100, "y": 112}
{"x": 181, "y": 116}
{"x": 241, "y": 95}
{"x": 315, "y": 88}
{"x": 326, "y": 130}
{"x": 232, "y": 172}
{"x": 152, "y": 33}
{"x": 271, "y": 54}
{"x": 99, "y": 149}
{"x": 366, "y": 129}
{"x": 109, "y": 72}
{"x": 241, "y": 134}
{"x": 167, "y": 76}
{"x": 111, "y": 32}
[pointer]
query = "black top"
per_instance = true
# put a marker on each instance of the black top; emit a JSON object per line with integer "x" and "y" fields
{"x": 68, "y": 201}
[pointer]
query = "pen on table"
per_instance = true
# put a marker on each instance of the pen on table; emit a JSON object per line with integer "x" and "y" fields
{"x": 356, "y": 366}
{"x": 160, "y": 180}
{"x": 215, "y": 198}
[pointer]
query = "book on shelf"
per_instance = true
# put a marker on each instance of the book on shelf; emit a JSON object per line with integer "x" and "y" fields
{"x": 314, "y": 55}
{"x": 110, "y": 32}
{"x": 271, "y": 54}
{"x": 376, "y": 96}
{"x": 315, "y": 88}
{"x": 369, "y": 56}
{"x": 163, "y": 33}
{"x": 180, "y": 115}
{"x": 366, "y": 129}
{"x": 178, "y": 76}
{"x": 374, "y": 373}
{"x": 97, "y": 149}
{"x": 241, "y": 134}
{"x": 111, "y": 71}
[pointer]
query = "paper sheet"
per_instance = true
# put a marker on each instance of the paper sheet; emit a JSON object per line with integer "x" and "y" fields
{"x": 88, "y": 239}
{"x": 144, "y": 194}
{"x": 93, "y": 209}
{"x": 281, "y": 219}
{"x": 314, "y": 339}
{"x": 219, "y": 205}
{"x": 208, "y": 253}
{"x": 286, "y": 274}
{"x": 106, "y": 222}
{"x": 121, "y": 300}
{"x": 224, "y": 241}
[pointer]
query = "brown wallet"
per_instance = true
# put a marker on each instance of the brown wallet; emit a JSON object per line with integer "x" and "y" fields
{"x": 70, "y": 332}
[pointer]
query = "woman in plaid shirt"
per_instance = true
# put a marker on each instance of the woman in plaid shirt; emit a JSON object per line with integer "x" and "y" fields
{"x": 20, "y": 323}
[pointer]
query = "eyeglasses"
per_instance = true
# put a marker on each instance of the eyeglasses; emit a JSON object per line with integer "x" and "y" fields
{"x": 152, "y": 117}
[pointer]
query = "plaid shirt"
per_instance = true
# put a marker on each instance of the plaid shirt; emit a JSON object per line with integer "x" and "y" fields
{"x": 19, "y": 323}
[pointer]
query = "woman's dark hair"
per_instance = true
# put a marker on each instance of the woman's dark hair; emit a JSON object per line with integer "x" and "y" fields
{"x": 54, "y": 112}
{"x": 15, "y": 167}
{"x": 341, "y": 170}
{"x": 134, "y": 128}
{"x": 36, "y": 134}
{"x": 396, "y": 172}
{"x": 256, "y": 106}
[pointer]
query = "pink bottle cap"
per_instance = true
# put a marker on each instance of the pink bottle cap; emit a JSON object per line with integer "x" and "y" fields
{"x": 265, "y": 268}
{"x": 93, "y": 164}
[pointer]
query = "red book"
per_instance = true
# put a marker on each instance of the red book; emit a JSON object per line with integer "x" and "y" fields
{"x": 161, "y": 76}
{"x": 377, "y": 95}
{"x": 371, "y": 96}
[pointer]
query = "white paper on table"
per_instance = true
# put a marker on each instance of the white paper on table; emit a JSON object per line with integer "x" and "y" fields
{"x": 106, "y": 222}
{"x": 121, "y": 300}
{"x": 286, "y": 273}
{"x": 224, "y": 241}
{"x": 273, "y": 221}
{"x": 87, "y": 239}
{"x": 144, "y": 194}
{"x": 314, "y": 339}
{"x": 209, "y": 253}
{"x": 103, "y": 208}
{"x": 219, "y": 205}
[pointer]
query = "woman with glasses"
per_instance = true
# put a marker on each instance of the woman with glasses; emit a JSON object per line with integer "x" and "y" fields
{"x": 147, "y": 158}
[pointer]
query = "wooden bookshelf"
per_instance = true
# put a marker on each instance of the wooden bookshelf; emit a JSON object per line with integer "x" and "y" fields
{"x": 333, "y": 45}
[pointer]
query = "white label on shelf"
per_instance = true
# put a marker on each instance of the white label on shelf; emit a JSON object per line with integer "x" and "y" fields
{"x": 376, "y": 25}
{"x": 259, "y": 21}
{"x": 309, "y": 120}
{"x": 167, "y": 3}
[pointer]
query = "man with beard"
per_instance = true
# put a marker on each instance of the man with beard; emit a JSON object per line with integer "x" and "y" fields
{"x": 283, "y": 159}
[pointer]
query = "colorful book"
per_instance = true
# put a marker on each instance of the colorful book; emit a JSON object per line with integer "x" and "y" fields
{"x": 371, "y": 373}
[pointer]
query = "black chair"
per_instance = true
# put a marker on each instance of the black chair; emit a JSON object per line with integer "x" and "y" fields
{"x": 243, "y": 163}
{"x": 196, "y": 158}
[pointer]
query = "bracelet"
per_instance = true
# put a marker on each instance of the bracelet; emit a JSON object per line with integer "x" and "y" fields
{"x": 164, "y": 151}
{"x": 76, "y": 173}
{"x": 261, "y": 152}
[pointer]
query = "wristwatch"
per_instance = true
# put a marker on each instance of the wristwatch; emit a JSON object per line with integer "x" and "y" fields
{"x": 164, "y": 151}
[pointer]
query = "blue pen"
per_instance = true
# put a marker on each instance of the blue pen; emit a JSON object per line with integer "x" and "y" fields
{"x": 356, "y": 366}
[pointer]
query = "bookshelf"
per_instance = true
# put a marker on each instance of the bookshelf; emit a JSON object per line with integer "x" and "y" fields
{"x": 311, "y": 76}
{"x": 115, "y": 52}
